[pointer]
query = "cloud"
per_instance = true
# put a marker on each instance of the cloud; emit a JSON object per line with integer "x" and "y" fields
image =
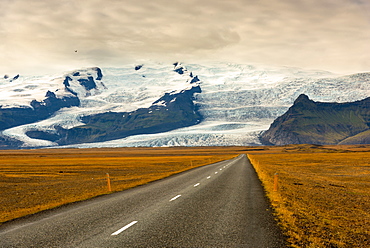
{"x": 311, "y": 33}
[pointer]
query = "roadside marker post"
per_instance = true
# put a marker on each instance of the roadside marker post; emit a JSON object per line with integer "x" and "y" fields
{"x": 108, "y": 183}
{"x": 276, "y": 179}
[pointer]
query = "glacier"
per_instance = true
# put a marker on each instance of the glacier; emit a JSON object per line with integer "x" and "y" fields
{"x": 237, "y": 101}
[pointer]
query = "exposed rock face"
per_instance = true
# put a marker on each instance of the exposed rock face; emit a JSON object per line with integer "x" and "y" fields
{"x": 138, "y": 67}
{"x": 173, "y": 110}
{"x": 98, "y": 73}
{"x": 52, "y": 104}
{"x": 43, "y": 135}
{"x": 11, "y": 117}
{"x": 194, "y": 79}
{"x": 321, "y": 123}
{"x": 66, "y": 81}
{"x": 88, "y": 83}
{"x": 89, "y": 79}
{"x": 179, "y": 68}
{"x": 76, "y": 84}
{"x": 15, "y": 78}
{"x": 9, "y": 143}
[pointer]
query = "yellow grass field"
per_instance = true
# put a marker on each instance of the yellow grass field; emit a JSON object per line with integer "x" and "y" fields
{"x": 36, "y": 180}
{"x": 323, "y": 197}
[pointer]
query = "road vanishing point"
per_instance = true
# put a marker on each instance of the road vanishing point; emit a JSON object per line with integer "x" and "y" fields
{"x": 218, "y": 205}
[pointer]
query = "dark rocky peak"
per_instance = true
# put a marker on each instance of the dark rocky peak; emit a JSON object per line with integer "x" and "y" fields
{"x": 6, "y": 76}
{"x": 14, "y": 78}
{"x": 95, "y": 72}
{"x": 138, "y": 67}
{"x": 179, "y": 68}
{"x": 52, "y": 103}
{"x": 194, "y": 79}
{"x": 50, "y": 94}
{"x": 302, "y": 98}
{"x": 313, "y": 122}
{"x": 99, "y": 73}
{"x": 85, "y": 82}
{"x": 88, "y": 83}
{"x": 174, "y": 95}
{"x": 303, "y": 102}
{"x": 66, "y": 81}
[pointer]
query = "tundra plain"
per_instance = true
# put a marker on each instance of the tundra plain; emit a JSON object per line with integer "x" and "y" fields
{"x": 35, "y": 180}
{"x": 322, "y": 198}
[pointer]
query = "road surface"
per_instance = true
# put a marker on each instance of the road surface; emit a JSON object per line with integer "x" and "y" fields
{"x": 218, "y": 205}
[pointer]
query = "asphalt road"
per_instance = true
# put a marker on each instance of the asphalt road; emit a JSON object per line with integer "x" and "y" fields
{"x": 219, "y": 205}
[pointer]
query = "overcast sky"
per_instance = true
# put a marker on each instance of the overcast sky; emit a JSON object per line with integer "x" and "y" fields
{"x": 41, "y": 36}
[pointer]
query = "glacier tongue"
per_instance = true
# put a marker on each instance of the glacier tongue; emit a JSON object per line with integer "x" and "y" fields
{"x": 237, "y": 101}
{"x": 208, "y": 133}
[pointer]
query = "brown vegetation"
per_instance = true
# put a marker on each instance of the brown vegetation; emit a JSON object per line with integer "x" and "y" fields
{"x": 35, "y": 180}
{"x": 323, "y": 198}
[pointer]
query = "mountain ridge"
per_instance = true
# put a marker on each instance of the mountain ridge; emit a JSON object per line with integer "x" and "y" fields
{"x": 236, "y": 103}
{"x": 319, "y": 123}
{"x": 170, "y": 112}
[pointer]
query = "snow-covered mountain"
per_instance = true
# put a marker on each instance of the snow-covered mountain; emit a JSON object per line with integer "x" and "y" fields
{"x": 237, "y": 102}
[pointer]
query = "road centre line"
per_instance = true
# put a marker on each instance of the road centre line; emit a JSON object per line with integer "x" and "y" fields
{"x": 208, "y": 177}
{"x": 216, "y": 172}
{"x": 124, "y": 228}
{"x": 196, "y": 184}
{"x": 174, "y": 198}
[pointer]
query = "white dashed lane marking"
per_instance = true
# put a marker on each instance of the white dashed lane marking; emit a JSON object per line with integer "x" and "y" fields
{"x": 124, "y": 228}
{"x": 174, "y": 198}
